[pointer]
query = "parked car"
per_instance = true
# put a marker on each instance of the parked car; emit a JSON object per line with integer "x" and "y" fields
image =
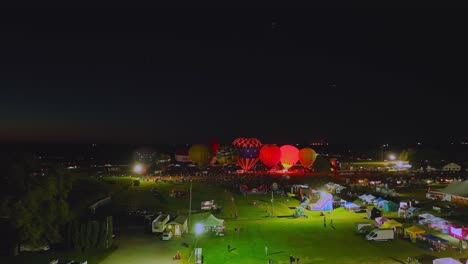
{"x": 167, "y": 236}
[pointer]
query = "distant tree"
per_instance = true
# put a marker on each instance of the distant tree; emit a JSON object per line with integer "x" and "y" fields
{"x": 94, "y": 233}
{"x": 83, "y": 236}
{"x": 321, "y": 164}
{"x": 110, "y": 231}
{"x": 424, "y": 157}
{"x": 35, "y": 200}
{"x": 76, "y": 235}
{"x": 102, "y": 237}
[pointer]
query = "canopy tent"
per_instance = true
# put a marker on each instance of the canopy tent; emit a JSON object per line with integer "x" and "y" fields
{"x": 391, "y": 224}
{"x": 351, "y": 206}
{"x": 389, "y": 206}
{"x": 211, "y": 221}
{"x": 380, "y": 221}
{"x": 435, "y": 222}
{"x": 460, "y": 233}
{"x": 446, "y": 261}
{"x": 379, "y": 199}
{"x": 407, "y": 212}
{"x": 367, "y": 198}
{"x": 413, "y": 232}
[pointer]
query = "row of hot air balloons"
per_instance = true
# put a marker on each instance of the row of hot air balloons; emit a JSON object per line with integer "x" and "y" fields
{"x": 250, "y": 150}
{"x": 245, "y": 151}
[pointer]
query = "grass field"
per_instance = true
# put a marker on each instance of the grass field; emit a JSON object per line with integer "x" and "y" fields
{"x": 305, "y": 238}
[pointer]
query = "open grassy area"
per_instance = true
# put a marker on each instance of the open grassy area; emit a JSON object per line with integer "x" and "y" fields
{"x": 305, "y": 238}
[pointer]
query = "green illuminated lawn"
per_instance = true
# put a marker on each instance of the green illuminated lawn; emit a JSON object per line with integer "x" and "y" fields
{"x": 305, "y": 238}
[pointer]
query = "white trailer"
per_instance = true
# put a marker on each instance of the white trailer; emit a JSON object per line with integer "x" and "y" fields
{"x": 381, "y": 235}
{"x": 159, "y": 224}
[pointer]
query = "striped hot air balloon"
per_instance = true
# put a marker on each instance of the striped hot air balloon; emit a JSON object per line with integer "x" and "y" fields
{"x": 248, "y": 150}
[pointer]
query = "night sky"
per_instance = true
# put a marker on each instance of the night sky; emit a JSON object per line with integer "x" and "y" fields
{"x": 350, "y": 75}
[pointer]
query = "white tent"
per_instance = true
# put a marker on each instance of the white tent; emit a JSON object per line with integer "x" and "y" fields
{"x": 446, "y": 261}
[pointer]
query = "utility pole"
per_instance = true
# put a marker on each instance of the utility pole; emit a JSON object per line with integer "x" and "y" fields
{"x": 190, "y": 206}
{"x": 271, "y": 203}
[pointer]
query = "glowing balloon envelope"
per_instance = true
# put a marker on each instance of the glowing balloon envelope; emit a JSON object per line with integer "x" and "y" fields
{"x": 289, "y": 156}
{"x": 270, "y": 155}
{"x": 181, "y": 156}
{"x": 225, "y": 155}
{"x": 248, "y": 150}
{"x": 200, "y": 154}
{"x": 307, "y": 157}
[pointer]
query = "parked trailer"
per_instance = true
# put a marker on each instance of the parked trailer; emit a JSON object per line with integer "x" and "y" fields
{"x": 159, "y": 224}
{"x": 381, "y": 235}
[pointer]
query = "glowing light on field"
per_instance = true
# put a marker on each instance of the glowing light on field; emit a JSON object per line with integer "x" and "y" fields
{"x": 198, "y": 229}
{"x": 138, "y": 168}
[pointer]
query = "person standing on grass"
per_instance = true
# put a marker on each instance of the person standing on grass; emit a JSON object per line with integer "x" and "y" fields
{"x": 229, "y": 248}
{"x": 266, "y": 250}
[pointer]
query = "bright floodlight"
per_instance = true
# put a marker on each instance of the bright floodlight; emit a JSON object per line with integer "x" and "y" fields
{"x": 198, "y": 228}
{"x": 392, "y": 157}
{"x": 138, "y": 168}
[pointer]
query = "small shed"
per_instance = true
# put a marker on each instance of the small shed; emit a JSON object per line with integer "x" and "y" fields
{"x": 178, "y": 226}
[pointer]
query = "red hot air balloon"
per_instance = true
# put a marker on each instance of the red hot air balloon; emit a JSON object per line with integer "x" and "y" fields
{"x": 214, "y": 147}
{"x": 289, "y": 156}
{"x": 248, "y": 150}
{"x": 270, "y": 155}
{"x": 307, "y": 157}
{"x": 214, "y": 150}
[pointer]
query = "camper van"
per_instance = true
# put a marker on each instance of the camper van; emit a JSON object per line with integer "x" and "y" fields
{"x": 159, "y": 224}
{"x": 381, "y": 235}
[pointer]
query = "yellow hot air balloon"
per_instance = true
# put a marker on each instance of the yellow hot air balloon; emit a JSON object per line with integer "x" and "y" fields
{"x": 200, "y": 154}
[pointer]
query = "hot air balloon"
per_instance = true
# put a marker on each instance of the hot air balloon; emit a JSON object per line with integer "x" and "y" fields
{"x": 181, "y": 156}
{"x": 214, "y": 149}
{"x": 225, "y": 155}
{"x": 200, "y": 154}
{"x": 289, "y": 156}
{"x": 270, "y": 155}
{"x": 307, "y": 157}
{"x": 248, "y": 150}
{"x": 335, "y": 164}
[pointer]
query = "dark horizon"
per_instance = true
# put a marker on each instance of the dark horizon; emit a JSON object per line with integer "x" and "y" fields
{"x": 341, "y": 75}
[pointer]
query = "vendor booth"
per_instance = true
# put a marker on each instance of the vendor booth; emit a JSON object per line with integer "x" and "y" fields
{"x": 380, "y": 221}
{"x": 351, "y": 206}
{"x": 211, "y": 223}
{"x": 393, "y": 224}
{"x": 413, "y": 232}
{"x": 459, "y": 232}
{"x": 389, "y": 206}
